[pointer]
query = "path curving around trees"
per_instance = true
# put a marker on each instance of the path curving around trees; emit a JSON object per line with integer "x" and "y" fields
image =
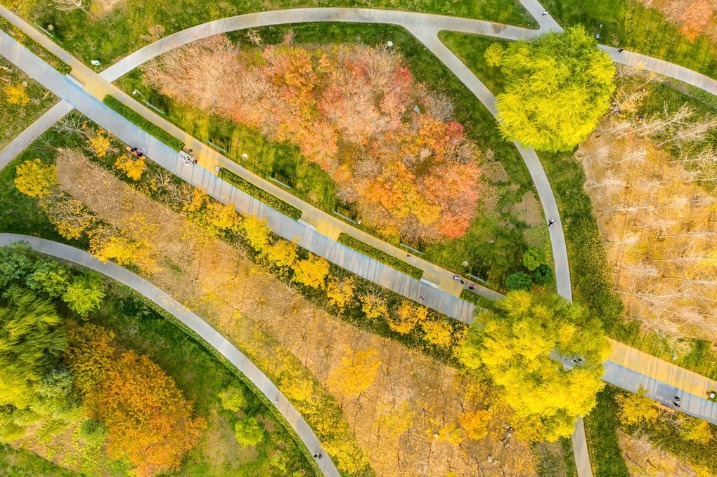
{"x": 210, "y": 336}
{"x": 657, "y": 374}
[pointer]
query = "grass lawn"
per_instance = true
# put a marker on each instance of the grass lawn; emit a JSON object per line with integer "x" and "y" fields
{"x": 132, "y": 24}
{"x": 20, "y": 463}
{"x": 629, "y": 24}
{"x": 15, "y": 117}
{"x": 601, "y": 433}
{"x": 496, "y": 240}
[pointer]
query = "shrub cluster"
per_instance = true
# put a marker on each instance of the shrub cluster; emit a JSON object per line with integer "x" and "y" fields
{"x": 254, "y": 191}
{"x": 382, "y": 257}
{"x": 135, "y": 118}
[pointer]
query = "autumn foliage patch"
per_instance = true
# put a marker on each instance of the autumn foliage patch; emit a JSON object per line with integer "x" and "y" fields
{"x": 357, "y": 111}
{"x": 147, "y": 417}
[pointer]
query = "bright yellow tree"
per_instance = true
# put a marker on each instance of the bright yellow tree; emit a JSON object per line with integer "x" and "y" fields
{"x": 311, "y": 272}
{"x": 513, "y": 342}
{"x": 256, "y": 232}
{"x": 373, "y": 306}
{"x": 696, "y": 430}
{"x": 438, "y": 333}
{"x": 99, "y": 143}
{"x": 222, "y": 217}
{"x": 637, "y": 408}
{"x": 35, "y": 179}
{"x": 356, "y": 372}
{"x": 107, "y": 244}
{"x": 281, "y": 253}
{"x": 407, "y": 316}
{"x": 133, "y": 167}
{"x": 340, "y": 292}
{"x": 16, "y": 94}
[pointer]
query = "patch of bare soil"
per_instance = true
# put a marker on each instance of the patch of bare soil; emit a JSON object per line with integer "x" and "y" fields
{"x": 528, "y": 210}
{"x": 273, "y": 324}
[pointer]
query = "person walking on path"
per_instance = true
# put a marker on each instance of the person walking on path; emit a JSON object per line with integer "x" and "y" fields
{"x": 620, "y": 50}
{"x": 545, "y": 12}
{"x": 551, "y": 222}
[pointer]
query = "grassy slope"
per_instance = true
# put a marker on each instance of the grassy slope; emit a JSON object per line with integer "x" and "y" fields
{"x": 490, "y": 231}
{"x": 130, "y": 20}
{"x": 645, "y": 30}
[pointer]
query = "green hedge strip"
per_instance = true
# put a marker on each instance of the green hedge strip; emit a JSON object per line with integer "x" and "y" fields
{"x": 382, "y": 257}
{"x": 254, "y": 191}
{"x": 135, "y": 118}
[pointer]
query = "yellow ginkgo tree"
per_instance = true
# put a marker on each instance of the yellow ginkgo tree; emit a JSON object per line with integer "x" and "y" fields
{"x": 515, "y": 344}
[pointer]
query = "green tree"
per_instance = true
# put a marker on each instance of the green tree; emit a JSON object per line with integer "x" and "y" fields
{"x": 512, "y": 343}
{"x": 557, "y": 88}
{"x": 49, "y": 277}
{"x": 84, "y": 294}
{"x": 248, "y": 432}
{"x": 16, "y": 262}
{"x": 533, "y": 258}
{"x": 519, "y": 281}
{"x": 31, "y": 340}
{"x": 233, "y": 399}
{"x": 543, "y": 275}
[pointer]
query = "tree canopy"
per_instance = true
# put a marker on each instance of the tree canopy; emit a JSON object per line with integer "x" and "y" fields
{"x": 512, "y": 343}
{"x": 557, "y": 88}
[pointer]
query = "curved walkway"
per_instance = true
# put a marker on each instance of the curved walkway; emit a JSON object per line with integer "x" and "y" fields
{"x": 425, "y": 28}
{"x": 211, "y": 336}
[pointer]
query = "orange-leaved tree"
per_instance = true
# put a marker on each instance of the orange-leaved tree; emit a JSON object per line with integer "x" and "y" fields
{"x": 356, "y": 111}
{"x": 148, "y": 419}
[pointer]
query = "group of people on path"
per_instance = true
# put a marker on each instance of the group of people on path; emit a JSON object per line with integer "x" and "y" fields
{"x": 135, "y": 151}
{"x": 188, "y": 157}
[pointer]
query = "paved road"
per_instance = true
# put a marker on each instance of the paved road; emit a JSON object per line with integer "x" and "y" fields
{"x": 210, "y": 336}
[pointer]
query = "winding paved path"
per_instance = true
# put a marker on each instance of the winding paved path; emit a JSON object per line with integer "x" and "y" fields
{"x": 619, "y": 369}
{"x": 210, "y": 336}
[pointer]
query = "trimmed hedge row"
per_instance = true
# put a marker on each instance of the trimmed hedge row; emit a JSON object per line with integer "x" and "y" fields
{"x": 254, "y": 191}
{"x": 382, "y": 257}
{"x": 135, "y": 118}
